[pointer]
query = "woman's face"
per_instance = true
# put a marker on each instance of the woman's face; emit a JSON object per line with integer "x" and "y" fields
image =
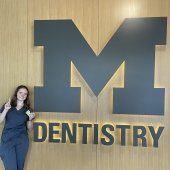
{"x": 22, "y": 94}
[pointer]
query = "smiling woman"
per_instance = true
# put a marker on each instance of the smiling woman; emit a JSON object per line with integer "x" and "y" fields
{"x": 14, "y": 140}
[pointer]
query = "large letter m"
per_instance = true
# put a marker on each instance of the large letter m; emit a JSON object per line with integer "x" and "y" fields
{"x": 133, "y": 43}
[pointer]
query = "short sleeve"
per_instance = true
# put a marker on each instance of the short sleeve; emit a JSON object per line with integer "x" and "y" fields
{"x": 29, "y": 109}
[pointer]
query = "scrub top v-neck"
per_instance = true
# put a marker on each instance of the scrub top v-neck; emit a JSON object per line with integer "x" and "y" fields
{"x": 14, "y": 128}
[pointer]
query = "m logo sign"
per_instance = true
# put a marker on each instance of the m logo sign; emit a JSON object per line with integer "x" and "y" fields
{"x": 133, "y": 43}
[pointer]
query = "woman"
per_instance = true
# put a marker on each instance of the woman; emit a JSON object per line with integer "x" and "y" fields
{"x": 18, "y": 119}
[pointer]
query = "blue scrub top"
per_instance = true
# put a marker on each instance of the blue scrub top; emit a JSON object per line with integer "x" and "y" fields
{"x": 15, "y": 125}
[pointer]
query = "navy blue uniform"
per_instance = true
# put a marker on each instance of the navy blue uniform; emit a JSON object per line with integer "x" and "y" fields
{"x": 14, "y": 139}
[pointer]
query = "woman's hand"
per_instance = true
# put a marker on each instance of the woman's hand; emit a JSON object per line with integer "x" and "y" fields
{"x": 8, "y": 105}
{"x": 32, "y": 116}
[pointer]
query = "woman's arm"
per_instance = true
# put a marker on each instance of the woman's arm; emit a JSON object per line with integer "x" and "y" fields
{"x": 7, "y": 106}
{"x": 29, "y": 122}
{"x": 29, "y": 125}
{"x": 2, "y": 115}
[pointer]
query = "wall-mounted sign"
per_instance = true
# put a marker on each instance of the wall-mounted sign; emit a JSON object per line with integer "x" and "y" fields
{"x": 106, "y": 134}
{"x": 133, "y": 43}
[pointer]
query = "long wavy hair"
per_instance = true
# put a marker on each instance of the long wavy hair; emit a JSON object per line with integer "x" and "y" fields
{"x": 14, "y": 97}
